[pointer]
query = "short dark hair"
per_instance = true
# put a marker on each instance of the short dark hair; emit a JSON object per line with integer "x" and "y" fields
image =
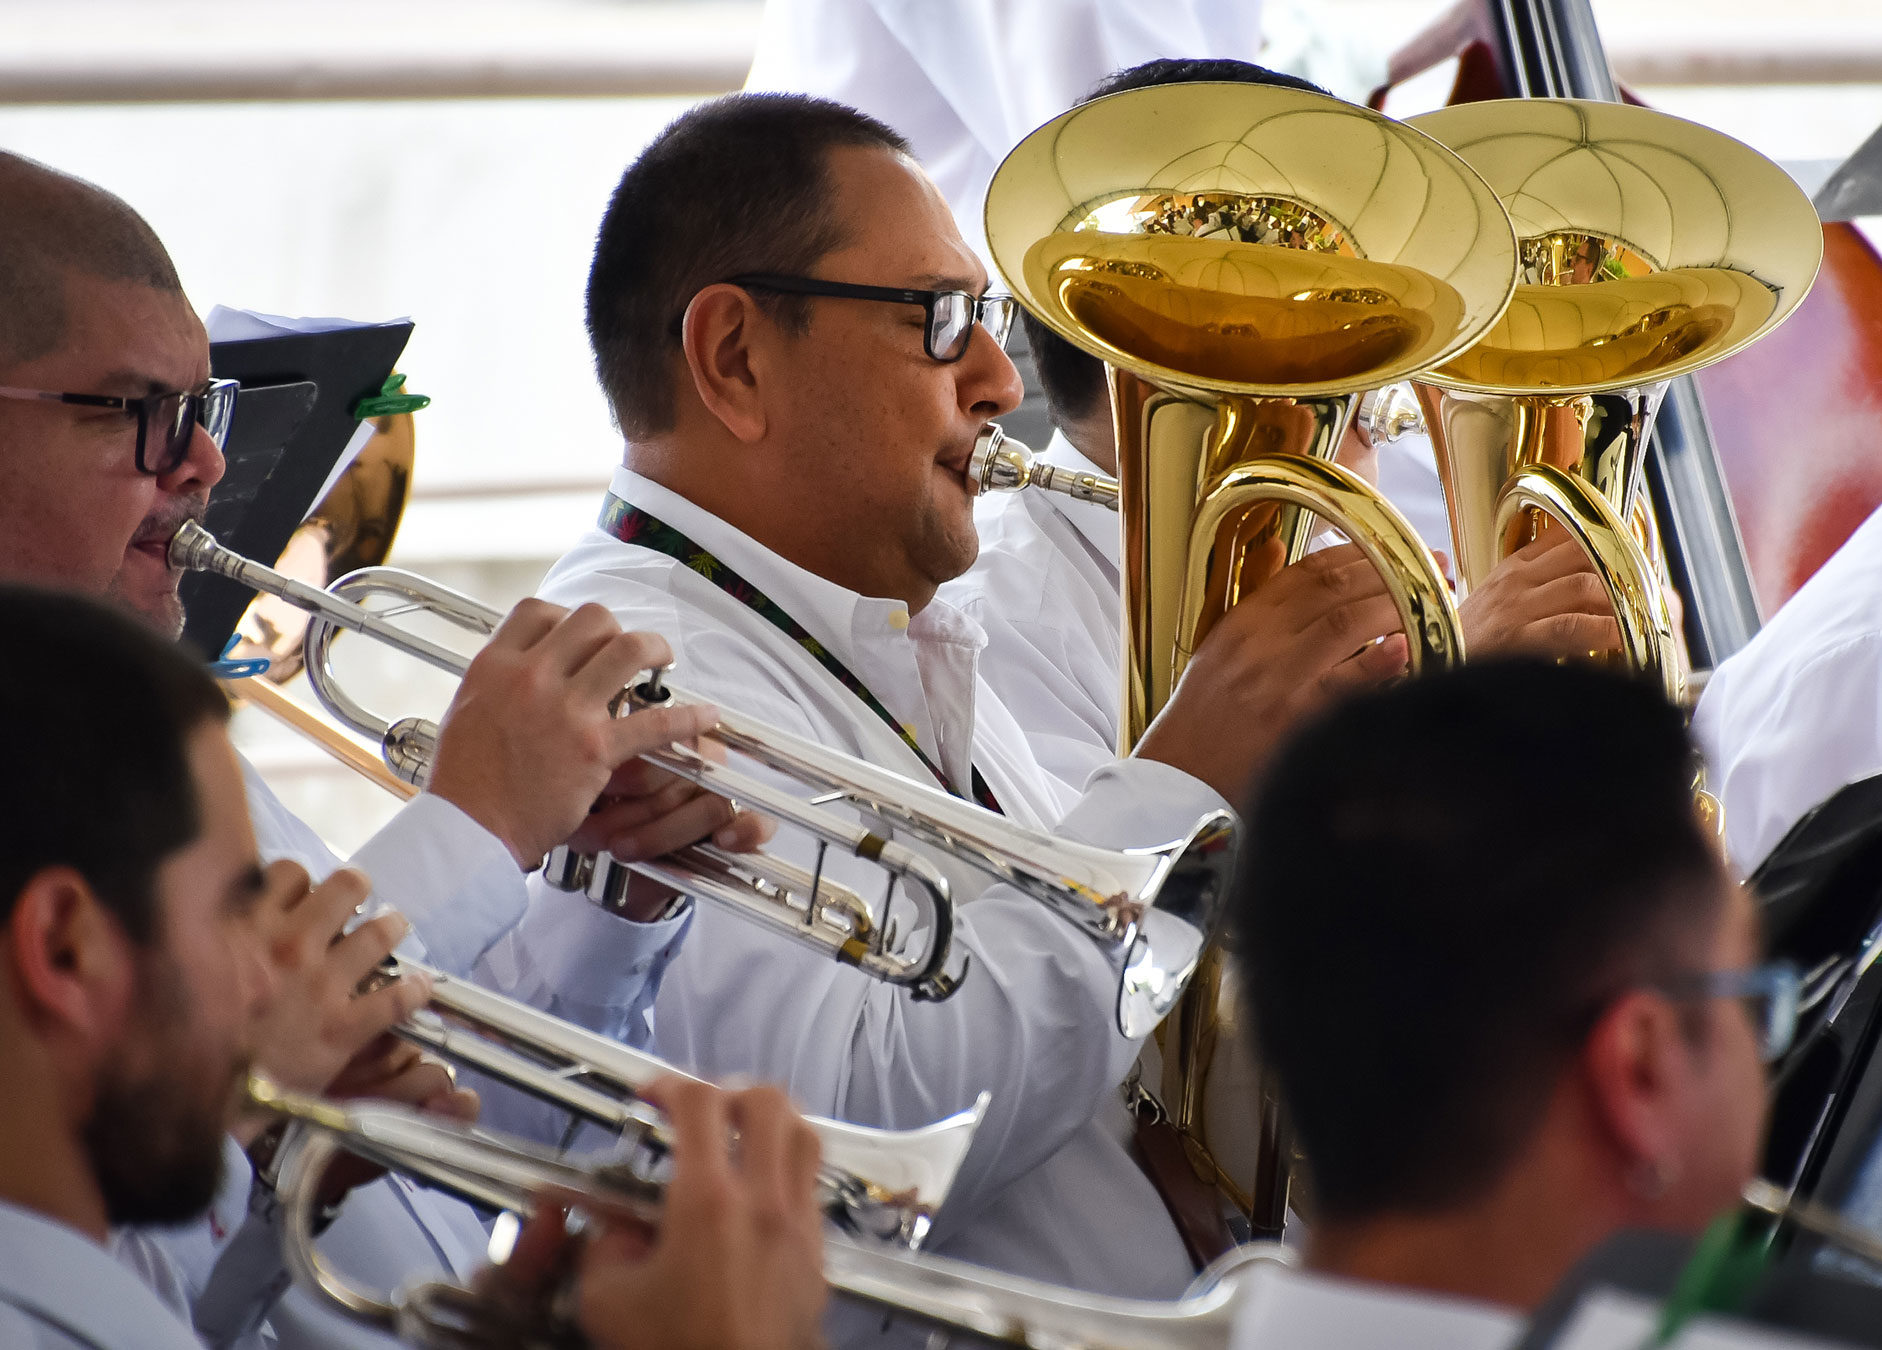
{"x": 736, "y": 185}
{"x": 1443, "y": 884}
{"x": 1073, "y": 379}
{"x": 96, "y": 712}
{"x": 50, "y": 224}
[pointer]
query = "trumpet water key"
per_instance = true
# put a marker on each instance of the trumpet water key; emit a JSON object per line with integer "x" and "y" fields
{"x": 880, "y": 1186}
{"x": 1154, "y": 906}
{"x": 974, "y": 1305}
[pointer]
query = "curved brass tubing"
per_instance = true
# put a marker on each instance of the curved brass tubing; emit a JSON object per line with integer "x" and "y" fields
{"x": 1647, "y": 638}
{"x": 1338, "y": 495}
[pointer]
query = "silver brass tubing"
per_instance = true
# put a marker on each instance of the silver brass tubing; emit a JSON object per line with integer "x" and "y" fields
{"x": 1815, "y": 1219}
{"x": 506, "y": 1173}
{"x": 1001, "y": 464}
{"x": 831, "y": 918}
{"x": 879, "y": 1186}
{"x": 1155, "y": 905}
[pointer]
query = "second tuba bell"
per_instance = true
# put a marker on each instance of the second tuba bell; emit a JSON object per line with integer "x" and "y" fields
{"x": 1247, "y": 260}
{"x": 1650, "y": 247}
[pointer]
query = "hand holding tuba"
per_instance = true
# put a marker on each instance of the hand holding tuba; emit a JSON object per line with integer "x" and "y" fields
{"x": 1154, "y": 906}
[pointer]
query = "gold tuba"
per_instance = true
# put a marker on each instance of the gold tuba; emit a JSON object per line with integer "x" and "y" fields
{"x": 1247, "y": 260}
{"x": 1650, "y": 248}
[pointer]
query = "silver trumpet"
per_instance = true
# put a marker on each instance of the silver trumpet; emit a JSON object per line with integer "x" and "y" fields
{"x": 879, "y": 1186}
{"x": 1156, "y": 905}
{"x": 982, "y": 1306}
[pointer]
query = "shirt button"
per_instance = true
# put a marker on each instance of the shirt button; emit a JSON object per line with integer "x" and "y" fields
{"x": 899, "y": 620}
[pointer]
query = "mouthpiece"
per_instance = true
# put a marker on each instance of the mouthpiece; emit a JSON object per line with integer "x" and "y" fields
{"x": 1001, "y": 464}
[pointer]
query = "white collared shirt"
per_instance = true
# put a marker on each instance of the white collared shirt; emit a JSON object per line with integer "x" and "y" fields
{"x": 1045, "y": 589}
{"x": 59, "y": 1290}
{"x": 1286, "y": 1308}
{"x": 1048, "y": 1189}
{"x": 1796, "y": 713}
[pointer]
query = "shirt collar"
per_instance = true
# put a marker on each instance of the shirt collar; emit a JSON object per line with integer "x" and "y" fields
{"x": 1286, "y": 1305}
{"x": 1098, "y": 524}
{"x": 836, "y": 616}
{"x": 57, "y": 1275}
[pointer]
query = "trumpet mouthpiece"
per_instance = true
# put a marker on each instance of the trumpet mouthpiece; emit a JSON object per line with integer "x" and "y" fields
{"x": 191, "y": 547}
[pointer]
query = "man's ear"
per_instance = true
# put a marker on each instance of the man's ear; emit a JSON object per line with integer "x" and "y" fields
{"x": 70, "y": 958}
{"x": 1634, "y": 1062}
{"x": 722, "y": 335}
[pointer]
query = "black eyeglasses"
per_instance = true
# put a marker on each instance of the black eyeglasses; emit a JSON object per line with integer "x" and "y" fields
{"x": 1769, "y": 992}
{"x": 951, "y": 314}
{"x": 173, "y": 416}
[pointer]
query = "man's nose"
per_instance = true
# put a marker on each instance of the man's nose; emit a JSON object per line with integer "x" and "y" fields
{"x": 200, "y": 469}
{"x": 989, "y": 381}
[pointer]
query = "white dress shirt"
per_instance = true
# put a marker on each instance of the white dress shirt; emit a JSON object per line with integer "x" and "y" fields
{"x": 1286, "y": 1308}
{"x": 1045, "y": 589}
{"x": 1048, "y": 1189}
{"x": 965, "y": 80}
{"x": 59, "y": 1290}
{"x": 1796, "y": 713}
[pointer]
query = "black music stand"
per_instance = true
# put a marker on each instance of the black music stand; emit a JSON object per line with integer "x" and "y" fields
{"x": 292, "y": 422}
{"x": 1821, "y": 894}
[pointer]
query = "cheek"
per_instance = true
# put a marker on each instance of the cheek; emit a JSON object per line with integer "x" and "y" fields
{"x": 67, "y": 525}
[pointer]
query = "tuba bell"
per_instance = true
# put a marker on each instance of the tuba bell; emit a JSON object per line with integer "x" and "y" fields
{"x": 1247, "y": 260}
{"x": 1650, "y": 247}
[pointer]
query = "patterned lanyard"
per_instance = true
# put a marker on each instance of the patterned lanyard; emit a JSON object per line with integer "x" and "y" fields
{"x": 631, "y": 525}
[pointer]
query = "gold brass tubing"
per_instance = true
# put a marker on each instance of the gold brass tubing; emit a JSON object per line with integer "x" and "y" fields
{"x": 258, "y": 693}
{"x": 1433, "y": 633}
{"x": 1647, "y": 638}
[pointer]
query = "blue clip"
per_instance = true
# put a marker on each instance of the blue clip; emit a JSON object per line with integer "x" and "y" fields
{"x": 225, "y": 669}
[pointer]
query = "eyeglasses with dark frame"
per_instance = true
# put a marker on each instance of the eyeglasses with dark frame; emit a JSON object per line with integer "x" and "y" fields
{"x": 951, "y": 314}
{"x": 174, "y": 415}
{"x": 1770, "y": 993}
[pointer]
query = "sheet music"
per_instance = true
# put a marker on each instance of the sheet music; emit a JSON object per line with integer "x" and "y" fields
{"x": 227, "y": 324}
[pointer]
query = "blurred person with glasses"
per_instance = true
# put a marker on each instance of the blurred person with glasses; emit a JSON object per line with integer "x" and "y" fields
{"x": 109, "y": 440}
{"x": 1513, "y": 1001}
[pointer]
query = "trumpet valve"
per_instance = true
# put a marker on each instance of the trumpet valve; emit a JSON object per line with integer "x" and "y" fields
{"x": 567, "y": 870}
{"x": 409, "y": 747}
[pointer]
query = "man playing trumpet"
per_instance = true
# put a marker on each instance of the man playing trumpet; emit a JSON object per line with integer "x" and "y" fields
{"x": 104, "y": 452}
{"x": 800, "y": 374}
{"x": 134, "y": 984}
